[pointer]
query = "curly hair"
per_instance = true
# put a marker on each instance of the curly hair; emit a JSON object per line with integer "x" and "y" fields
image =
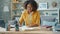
{"x": 33, "y": 3}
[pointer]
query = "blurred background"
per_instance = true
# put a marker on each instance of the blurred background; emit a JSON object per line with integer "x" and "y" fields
{"x": 12, "y": 9}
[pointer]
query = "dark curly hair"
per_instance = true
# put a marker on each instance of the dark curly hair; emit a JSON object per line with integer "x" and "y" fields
{"x": 33, "y": 3}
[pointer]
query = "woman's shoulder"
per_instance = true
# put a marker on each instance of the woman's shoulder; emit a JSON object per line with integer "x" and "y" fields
{"x": 37, "y": 12}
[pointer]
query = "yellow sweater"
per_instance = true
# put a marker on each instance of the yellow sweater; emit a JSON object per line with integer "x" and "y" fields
{"x": 35, "y": 18}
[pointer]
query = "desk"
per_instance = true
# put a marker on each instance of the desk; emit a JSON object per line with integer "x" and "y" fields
{"x": 29, "y": 32}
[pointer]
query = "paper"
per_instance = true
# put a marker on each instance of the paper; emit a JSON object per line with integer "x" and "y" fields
{"x": 25, "y": 28}
{"x": 2, "y": 29}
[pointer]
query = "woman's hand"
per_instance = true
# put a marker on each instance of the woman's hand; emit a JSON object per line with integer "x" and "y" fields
{"x": 20, "y": 25}
{"x": 33, "y": 25}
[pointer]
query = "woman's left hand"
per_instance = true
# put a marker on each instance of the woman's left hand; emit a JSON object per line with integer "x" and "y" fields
{"x": 33, "y": 25}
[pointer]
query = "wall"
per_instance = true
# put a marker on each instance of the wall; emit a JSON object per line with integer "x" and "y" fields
{"x": 50, "y": 2}
{"x": 1, "y": 8}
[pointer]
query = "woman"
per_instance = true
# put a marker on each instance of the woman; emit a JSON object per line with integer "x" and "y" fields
{"x": 30, "y": 15}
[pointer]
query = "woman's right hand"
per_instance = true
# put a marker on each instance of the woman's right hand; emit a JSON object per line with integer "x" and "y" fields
{"x": 20, "y": 25}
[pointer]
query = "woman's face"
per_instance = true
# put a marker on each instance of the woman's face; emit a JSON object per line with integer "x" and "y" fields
{"x": 29, "y": 8}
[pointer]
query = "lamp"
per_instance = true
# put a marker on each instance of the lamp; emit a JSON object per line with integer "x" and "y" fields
{"x": 5, "y": 13}
{"x": 6, "y": 9}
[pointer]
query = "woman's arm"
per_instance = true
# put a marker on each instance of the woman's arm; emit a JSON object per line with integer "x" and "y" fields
{"x": 21, "y": 20}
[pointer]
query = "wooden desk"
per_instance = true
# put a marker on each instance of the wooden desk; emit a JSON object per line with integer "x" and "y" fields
{"x": 28, "y": 32}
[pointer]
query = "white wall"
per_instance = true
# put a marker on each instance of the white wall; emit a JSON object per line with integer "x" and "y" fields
{"x": 49, "y": 2}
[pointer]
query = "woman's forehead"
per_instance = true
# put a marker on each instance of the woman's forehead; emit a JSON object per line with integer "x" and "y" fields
{"x": 29, "y": 5}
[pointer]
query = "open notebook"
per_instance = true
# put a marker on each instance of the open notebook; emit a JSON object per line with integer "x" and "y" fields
{"x": 29, "y": 28}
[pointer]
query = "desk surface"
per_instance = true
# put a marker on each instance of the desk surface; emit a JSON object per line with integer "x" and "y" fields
{"x": 29, "y": 32}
